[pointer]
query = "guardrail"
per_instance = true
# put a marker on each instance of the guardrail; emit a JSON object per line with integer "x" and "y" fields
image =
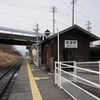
{"x": 12, "y": 30}
{"x": 66, "y": 79}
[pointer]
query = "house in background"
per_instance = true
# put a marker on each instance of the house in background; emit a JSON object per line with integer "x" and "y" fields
{"x": 74, "y": 46}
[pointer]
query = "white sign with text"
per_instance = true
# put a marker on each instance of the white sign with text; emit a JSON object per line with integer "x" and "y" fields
{"x": 71, "y": 44}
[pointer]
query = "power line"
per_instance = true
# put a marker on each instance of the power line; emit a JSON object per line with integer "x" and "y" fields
{"x": 81, "y": 13}
{"x": 46, "y": 7}
{"x": 87, "y": 12}
{"x": 62, "y": 23}
{"x": 25, "y": 7}
{"x": 65, "y": 15}
{"x": 24, "y": 16}
{"x": 90, "y": 3}
{"x": 88, "y": 7}
{"x": 21, "y": 17}
{"x": 94, "y": 4}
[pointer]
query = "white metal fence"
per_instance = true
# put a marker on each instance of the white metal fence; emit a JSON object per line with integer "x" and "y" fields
{"x": 68, "y": 74}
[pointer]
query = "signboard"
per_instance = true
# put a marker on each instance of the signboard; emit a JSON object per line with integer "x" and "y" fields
{"x": 71, "y": 44}
{"x": 34, "y": 46}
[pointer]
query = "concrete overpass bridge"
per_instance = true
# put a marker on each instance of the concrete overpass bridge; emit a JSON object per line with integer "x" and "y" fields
{"x": 12, "y": 36}
{"x": 18, "y": 37}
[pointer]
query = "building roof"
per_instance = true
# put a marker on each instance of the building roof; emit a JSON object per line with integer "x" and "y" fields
{"x": 92, "y": 36}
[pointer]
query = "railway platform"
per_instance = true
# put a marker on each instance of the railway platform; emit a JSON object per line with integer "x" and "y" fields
{"x": 34, "y": 83}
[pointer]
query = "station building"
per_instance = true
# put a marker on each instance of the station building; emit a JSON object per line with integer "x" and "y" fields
{"x": 74, "y": 46}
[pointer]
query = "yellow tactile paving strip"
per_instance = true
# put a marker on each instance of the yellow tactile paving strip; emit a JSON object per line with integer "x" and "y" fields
{"x": 34, "y": 69}
{"x": 39, "y": 78}
{"x": 35, "y": 91}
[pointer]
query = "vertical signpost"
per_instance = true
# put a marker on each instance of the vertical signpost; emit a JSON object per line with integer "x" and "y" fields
{"x": 59, "y": 63}
{"x": 58, "y": 44}
{"x": 99, "y": 74}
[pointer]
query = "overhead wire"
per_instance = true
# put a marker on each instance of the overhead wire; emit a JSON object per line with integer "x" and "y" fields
{"x": 81, "y": 13}
{"x": 87, "y": 11}
{"x": 17, "y": 5}
{"x": 94, "y": 3}
{"x": 95, "y": 11}
{"x": 24, "y": 16}
{"x": 24, "y": 21}
{"x": 65, "y": 15}
{"x": 25, "y": 7}
{"x": 29, "y": 8}
{"x": 62, "y": 23}
{"x": 90, "y": 3}
{"x": 43, "y": 6}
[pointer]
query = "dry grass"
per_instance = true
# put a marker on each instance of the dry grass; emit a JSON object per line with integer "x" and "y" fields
{"x": 7, "y": 59}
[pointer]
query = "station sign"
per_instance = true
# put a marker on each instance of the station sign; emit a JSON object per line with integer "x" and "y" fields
{"x": 71, "y": 44}
{"x": 34, "y": 46}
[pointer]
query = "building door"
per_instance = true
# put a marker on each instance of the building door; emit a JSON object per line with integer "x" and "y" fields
{"x": 68, "y": 55}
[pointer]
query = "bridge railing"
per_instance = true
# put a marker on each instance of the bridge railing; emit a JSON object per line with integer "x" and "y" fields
{"x": 21, "y": 32}
{"x": 68, "y": 75}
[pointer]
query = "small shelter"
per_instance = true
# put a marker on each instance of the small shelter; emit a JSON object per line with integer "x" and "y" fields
{"x": 74, "y": 46}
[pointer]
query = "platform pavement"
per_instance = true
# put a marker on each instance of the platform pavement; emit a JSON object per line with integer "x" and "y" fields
{"x": 45, "y": 81}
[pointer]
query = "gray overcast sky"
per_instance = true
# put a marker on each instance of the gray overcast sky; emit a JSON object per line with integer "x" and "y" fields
{"x": 24, "y": 14}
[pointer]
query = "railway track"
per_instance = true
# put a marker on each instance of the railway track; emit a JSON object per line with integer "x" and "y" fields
{"x": 4, "y": 70}
{"x": 7, "y": 79}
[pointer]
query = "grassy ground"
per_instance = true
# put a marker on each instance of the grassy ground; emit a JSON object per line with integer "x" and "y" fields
{"x": 7, "y": 59}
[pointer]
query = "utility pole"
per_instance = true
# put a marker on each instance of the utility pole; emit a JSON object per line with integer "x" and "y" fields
{"x": 37, "y": 29}
{"x": 88, "y": 26}
{"x": 54, "y": 10}
{"x": 73, "y": 2}
{"x": 89, "y": 30}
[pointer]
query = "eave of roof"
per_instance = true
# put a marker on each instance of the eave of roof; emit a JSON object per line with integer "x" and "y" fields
{"x": 73, "y": 27}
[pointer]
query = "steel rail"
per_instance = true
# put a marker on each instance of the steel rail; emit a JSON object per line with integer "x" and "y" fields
{"x": 8, "y": 70}
{"x": 17, "y": 66}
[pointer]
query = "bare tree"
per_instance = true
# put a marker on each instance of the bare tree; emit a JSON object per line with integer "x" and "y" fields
{"x": 9, "y": 49}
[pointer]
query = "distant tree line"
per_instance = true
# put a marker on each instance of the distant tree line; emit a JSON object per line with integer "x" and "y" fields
{"x": 9, "y": 49}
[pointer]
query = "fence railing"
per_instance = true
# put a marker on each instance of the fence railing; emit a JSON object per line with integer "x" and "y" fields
{"x": 68, "y": 75}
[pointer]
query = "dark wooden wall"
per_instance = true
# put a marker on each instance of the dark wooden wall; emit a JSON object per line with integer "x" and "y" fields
{"x": 49, "y": 48}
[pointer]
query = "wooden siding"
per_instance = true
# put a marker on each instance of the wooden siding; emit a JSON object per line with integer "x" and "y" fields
{"x": 49, "y": 49}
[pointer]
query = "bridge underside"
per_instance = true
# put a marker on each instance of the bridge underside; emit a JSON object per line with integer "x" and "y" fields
{"x": 15, "y": 42}
{"x": 25, "y": 38}
{"x": 13, "y": 39}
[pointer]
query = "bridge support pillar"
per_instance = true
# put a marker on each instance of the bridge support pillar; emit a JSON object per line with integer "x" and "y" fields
{"x": 31, "y": 55}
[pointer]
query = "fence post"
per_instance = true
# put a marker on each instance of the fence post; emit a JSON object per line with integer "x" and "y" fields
{"x": 99, "y": 74}
{"x": 55, "y": 73}
{"x": 75, "y": 72}
{"x": 60, "y": 73}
